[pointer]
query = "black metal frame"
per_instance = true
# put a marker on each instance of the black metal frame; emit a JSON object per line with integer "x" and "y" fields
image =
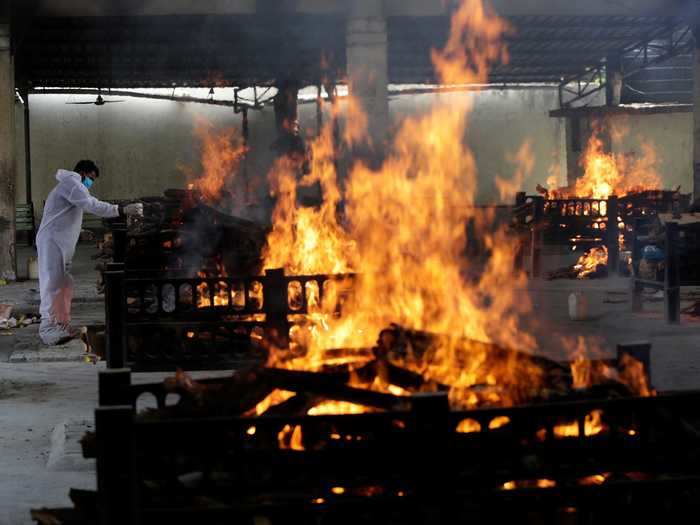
{"x": 154, "y": 323}
{"x": 573, "y": 220}
{"x": 593, "y": 79}
{"x": 423, "y": 470}
{"x": 674, "y": 275}
{"x": 565, "y": 222}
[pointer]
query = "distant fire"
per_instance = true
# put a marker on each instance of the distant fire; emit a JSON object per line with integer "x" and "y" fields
{"x": 222, "y": 152}
{"x": 589, "y": 262}
{"x": 606, "y": 174}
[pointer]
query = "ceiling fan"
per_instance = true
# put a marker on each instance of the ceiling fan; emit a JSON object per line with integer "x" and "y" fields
{"x": 99, "y": 101}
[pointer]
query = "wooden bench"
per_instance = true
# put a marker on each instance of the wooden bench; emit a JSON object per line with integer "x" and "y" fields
{"x": 24, "y": 221}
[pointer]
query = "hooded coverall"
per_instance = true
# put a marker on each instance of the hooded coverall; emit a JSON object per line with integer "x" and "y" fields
{"x": 56, "y": 240}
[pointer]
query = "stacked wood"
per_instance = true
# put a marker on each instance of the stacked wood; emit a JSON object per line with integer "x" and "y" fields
{"x": 570, "y": 272}
{"x": 179, "y": 230}
{"x": 421, "y": 351}
{"x": 403, "y": 359}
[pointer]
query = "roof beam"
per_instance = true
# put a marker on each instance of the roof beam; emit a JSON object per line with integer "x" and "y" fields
{"x": 592, "y": 7}
{"x": 391, "y": 7}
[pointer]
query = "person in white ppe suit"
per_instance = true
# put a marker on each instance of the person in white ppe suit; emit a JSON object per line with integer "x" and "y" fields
{"x": 56, "y": 240}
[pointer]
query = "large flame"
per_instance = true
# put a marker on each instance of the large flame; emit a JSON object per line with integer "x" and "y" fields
{"x": 606, "y": 174}
{"x": 402, "y": 231}
{"x": 404, "y": 234}
{"x": 308, "y": 239}
{"x": 221, "y": 154}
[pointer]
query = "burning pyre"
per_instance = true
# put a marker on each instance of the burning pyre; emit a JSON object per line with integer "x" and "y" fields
{"x": 402, "y": 233}
{"x": 606, "y": 174}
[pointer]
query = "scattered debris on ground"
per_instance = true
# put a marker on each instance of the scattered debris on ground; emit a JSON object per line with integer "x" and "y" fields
{"x": 9, "y": 322}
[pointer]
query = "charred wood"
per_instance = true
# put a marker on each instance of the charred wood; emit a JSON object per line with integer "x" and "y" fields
{"x": 330, "y": 388}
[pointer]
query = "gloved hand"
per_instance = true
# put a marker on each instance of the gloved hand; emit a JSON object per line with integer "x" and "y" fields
{"x": 134, "y": 209}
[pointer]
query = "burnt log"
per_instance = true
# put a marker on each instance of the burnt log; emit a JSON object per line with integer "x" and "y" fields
{"x": 400, "y": 342}
{"x": 295, "y": 405}
{"x": 394, "y": 374}
{"x": 227, "y": 396}
{"x": 419, "y": 350}
{"x": 329, "y": 387}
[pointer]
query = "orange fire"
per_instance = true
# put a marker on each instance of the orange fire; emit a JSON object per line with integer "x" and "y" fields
{"x": 403, "y": 234}
{"x": 336, "y": 407}
{"x": 274, "y": 398}
{"x": 220, "y": 297}
{"x": 595, "y": 479}
{"x": 222, "y": 153}
{"x": 468, "y": 426}
{"x": 593, "y": 425}
{"x": 402, "y": 231}
{"x": 529, "y": 484}
{"x": 606, "y": 174}
{"x": 588, "y": 263}
{"x": 290, "y": 438}
{"x": 308, "y": 240}
{"x": 586, "y": 372}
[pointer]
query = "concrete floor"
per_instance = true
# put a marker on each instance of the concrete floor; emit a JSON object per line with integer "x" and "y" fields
{"x": 35, "y": 397}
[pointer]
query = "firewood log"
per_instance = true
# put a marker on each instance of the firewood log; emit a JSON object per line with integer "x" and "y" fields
{"x": 296, "y": 405}
{"x": 232, "y": 395}
{"x": 330, "y": 388}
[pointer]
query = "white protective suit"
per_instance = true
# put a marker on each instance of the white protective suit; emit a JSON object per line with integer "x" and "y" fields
{"x": 56, "y": 240}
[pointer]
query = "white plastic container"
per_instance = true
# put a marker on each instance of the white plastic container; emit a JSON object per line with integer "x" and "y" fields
{"x": 33, "y": 268}
{"x": 578, "y": 307}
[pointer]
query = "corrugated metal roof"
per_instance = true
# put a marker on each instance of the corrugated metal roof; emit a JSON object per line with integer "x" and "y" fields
{"x": 183, "y": 51}
{"x": 542, "y": 48}
{"x": 669, "y": 80}
{"x": 257, "y": 49}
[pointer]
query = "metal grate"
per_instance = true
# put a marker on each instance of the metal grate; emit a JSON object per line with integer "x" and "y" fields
{"x": 398, "y": 465}
{"x": 162, "y": 323}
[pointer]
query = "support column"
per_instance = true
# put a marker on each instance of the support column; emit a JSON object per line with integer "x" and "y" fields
{"x": 8, "y": 262}
{"x": 367, "y": 62}
{"x": 285, "y": 104}
{"x": 572, "y": 136}
{"x": 27, "y": 148}
{"x": 613, "y": 80}
{"x": 696, "y": 113}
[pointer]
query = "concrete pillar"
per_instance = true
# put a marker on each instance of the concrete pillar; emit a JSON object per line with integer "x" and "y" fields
{"x": 613, "y": 80}
{"x": 285, "y": 104}
{"x": 696, "y": 114}
{"x": 27, "y": 148}
{"x": 367, "y": 63}
{"x": 8, "y": 262}
{"x": 572, "y": 135}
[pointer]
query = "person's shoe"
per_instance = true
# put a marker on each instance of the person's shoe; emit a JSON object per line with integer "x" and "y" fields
{"x": 71, "y": 333}
{"x": 56, "y": 334}
{"x": 53, "y": 334}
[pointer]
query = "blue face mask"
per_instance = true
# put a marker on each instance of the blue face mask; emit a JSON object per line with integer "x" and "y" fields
{"x": 87, "y": 182}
